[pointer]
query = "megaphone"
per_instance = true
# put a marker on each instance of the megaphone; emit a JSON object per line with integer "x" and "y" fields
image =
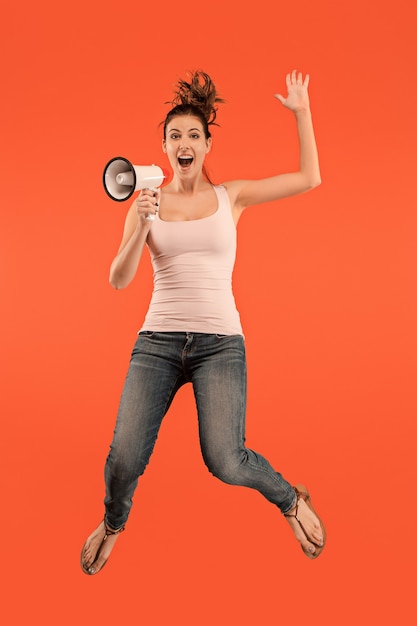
{"x": 121, "y": 179}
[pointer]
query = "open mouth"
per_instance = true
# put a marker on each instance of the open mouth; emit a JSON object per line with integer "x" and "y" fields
{"x": 185, "y": 161}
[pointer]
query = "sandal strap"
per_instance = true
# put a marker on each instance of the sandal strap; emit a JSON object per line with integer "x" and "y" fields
{"x": 110, "y": 531}
{"x": 295, "y": 514}
{"x": 300, "y": 495}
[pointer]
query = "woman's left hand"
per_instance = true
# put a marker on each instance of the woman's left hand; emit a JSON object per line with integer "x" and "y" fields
{"x": 297, "y": 98}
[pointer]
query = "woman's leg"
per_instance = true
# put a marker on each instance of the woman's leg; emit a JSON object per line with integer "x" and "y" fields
{"x": 152, "y": 380}
{"x": 219, "y": 380}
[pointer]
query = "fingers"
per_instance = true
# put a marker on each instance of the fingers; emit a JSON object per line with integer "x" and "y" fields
{"x": 291, "y": 79}
{"x": 294, "y": 78}
{"x": 147, "y": 203}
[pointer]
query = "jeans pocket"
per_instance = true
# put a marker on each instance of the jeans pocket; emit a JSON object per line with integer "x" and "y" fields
{"x": 146, "y": 333}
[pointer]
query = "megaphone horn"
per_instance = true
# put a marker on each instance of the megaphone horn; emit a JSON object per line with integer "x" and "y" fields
{"x": 121, "y": 179}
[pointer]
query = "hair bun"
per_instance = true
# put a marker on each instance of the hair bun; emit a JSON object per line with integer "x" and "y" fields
{"x": 199, "y": 92}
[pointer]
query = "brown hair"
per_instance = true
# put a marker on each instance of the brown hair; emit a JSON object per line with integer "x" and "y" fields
{"x": 198, "y": 98}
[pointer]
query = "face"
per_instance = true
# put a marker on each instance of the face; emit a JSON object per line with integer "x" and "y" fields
{"x": 186, "y": 145}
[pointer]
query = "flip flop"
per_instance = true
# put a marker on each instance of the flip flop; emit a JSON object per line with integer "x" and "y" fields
{"x": 302, "y": 493}
{"x": 107, "y": 532}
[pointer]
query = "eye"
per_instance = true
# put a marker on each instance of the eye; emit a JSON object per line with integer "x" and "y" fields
{"x": 174, "y": 136}
{"x": 195, "y": 136}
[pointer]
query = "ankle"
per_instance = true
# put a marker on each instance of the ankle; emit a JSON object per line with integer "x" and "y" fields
{"x": 112, "y": 531}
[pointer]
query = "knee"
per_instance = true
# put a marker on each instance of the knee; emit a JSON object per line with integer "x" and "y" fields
{"x": 227, "y": 468}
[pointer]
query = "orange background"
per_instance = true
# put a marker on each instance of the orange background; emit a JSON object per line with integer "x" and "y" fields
{"x": 326, "y": 285}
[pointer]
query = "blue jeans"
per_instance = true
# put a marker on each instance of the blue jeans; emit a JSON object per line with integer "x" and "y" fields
{"x": 216, "y": 367}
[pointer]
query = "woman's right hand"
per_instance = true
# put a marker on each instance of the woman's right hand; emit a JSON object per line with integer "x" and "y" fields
{"x": 147, "y": 204}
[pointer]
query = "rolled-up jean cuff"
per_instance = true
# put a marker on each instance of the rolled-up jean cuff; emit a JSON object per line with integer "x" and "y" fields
{"x": 292, "y": 505}
{"x": 110, "y": 527}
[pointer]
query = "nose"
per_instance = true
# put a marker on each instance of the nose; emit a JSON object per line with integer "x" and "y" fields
{"x": 183, "y": 144}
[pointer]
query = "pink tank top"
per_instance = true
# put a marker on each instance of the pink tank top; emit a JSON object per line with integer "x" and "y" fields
{"x": 193, "y": 263}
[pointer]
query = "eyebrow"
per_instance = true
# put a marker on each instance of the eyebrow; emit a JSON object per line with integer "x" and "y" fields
{"x": 189, "y": 130}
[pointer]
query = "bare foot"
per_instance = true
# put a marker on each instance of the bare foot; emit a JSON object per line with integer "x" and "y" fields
{"x": 97, "y": 548}
{"x": 307, "y": 527}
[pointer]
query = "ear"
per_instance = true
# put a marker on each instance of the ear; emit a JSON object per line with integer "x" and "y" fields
{"x": 208, "y": 144}
{"x": 164, "y": 147}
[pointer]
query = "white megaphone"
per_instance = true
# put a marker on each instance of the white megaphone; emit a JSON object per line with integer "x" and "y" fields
{"x": 121, "y": 179}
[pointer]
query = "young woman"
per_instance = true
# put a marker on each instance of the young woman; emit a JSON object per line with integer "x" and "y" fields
{"x": 192, "y": 330}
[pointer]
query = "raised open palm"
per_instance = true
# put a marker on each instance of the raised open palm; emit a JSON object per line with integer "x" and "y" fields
{"x": 297, "y": 98}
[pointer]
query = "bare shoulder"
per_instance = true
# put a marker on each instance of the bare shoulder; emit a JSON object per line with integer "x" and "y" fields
{"x": 234, "y": 188}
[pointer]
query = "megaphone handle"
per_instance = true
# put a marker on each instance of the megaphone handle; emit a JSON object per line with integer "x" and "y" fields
{"x": 150, "y": 216}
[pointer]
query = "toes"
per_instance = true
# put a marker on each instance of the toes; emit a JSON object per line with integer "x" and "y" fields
{"x": 317, "y": 537}
{"x": 86, "y": 557}
{"x": 87, "y": 561}
{"x": 307, "y": 544}
{"x": 94, "y": 568}
{"x": 96, "y": 551}
{"x": 97, "y": 566}
{"x": 308, "y": 548}
{"x": 316, "y": 534}
{"x": 90, "y": 565}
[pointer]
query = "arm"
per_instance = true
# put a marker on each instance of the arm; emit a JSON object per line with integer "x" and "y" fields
{"x": 248, "y": 192}
{"x": 136, "y": 229}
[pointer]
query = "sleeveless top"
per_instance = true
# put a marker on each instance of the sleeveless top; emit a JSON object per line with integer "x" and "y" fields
{"x": 193, "y": 263}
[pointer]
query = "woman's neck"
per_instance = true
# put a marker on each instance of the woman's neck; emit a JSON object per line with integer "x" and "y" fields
{"x": 189, "y": 186}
